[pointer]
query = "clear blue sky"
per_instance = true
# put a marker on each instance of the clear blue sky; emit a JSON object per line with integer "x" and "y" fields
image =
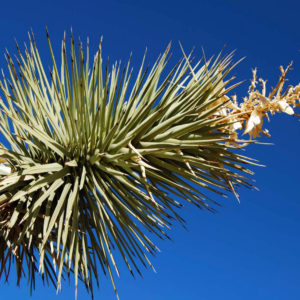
{"x": 246, "y": 251}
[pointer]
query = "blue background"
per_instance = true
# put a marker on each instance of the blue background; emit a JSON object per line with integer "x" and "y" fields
{"x": 246, "y": 251}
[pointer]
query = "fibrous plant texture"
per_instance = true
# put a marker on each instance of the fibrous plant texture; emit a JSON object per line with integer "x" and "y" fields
{"x": 96, "y": 161}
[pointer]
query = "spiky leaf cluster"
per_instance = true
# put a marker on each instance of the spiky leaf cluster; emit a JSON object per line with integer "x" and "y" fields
{"x": 99, "y": 160}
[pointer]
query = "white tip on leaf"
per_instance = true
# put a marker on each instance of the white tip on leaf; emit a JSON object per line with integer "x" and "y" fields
{"x": 4, "y": 170}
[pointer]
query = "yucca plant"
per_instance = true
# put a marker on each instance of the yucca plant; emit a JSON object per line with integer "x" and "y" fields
{"x": 94, "y": 161}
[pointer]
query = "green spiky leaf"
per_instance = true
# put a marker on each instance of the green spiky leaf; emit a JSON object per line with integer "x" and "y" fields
{"x": 97, "y": 158}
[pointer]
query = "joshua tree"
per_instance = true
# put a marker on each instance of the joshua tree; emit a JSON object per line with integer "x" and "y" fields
{"x": 93, "y": 160}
